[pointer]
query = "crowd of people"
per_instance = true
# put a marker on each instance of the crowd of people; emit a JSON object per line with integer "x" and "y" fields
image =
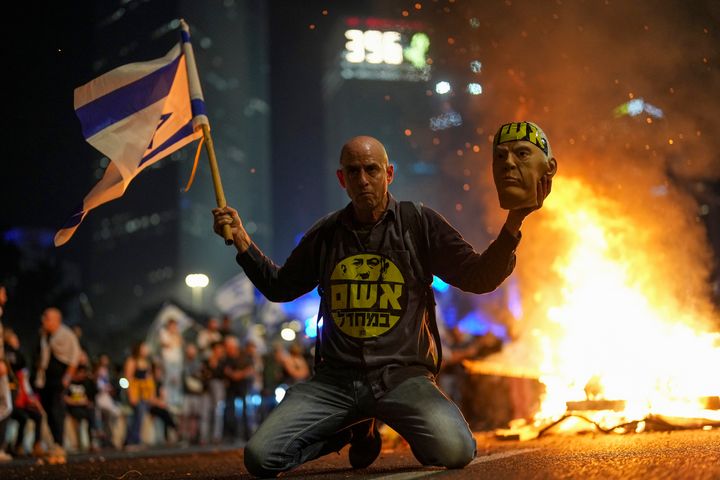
{"x": 201, "y": 387}
{"x": 208, "y": 388}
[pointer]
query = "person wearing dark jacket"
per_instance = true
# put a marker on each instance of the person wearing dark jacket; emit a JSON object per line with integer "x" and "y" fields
{"x": 26, "y": 402}
{"x": 80, "y": 402}
{"x": 378, "y": 350}
{"x": 239, "y": 370}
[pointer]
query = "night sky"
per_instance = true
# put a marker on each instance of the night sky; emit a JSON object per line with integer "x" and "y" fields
{"x": 45, "y": 157}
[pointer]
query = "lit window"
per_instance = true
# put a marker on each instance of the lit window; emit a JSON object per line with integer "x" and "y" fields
{"x": 442, "y": 87}
{"x": 474, "y": 88}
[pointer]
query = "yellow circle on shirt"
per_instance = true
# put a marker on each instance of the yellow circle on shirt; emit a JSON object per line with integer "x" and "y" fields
{"x": 367, "y": 295}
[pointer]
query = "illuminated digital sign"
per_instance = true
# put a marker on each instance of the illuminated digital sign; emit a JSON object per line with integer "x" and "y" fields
{"x": 373, "y": 46}
{"x": 379, "y": 49}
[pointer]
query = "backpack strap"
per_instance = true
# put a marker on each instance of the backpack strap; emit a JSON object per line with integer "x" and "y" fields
{"x": 418, "y": 242}
{"x": 327, "y": 232}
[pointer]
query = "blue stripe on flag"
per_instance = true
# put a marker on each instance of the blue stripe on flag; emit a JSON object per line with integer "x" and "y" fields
{"x": 183, "y": 132}
{"x": 123, "y": 102}
{"x": 185, "y": 36}
{"x": 75, "y": 219}
{"x": 198, "y": 107}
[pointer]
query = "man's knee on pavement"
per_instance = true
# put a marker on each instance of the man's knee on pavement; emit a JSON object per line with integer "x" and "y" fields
{"x": 256, "y": 460}
{"x": 459, "y": 453}
{"x": 454, "y": 452}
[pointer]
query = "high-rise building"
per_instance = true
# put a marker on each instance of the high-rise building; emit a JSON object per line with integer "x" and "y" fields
{"x": 375, "y": 82}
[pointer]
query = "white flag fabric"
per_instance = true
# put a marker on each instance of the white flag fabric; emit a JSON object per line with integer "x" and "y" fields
{"x": 236, "y": 297}
{"x": 137, "y": 114}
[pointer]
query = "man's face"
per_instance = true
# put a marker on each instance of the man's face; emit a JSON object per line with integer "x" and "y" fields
{"x": 517, "y": 168}
{"x": 3, "y": 296}
{"x": 190, "y": 352}
{"x": 232, "y": 349}
{"x": 51, "y": 320}
{"x": 365, "y": 176}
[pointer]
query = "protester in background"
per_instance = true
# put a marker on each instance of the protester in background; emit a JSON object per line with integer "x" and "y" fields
{"x": 108, "y": 411}
{"x": 208, "y": 336}
{"x": 195, "y": 412}
{"x": 26, "y": 405}
{"x": 273, "y": 376}
{"x": 141, "y": 389}
{"x": 494, "y": 411}
{"x": 457, "y": 347}
{"x": 159, "y": 405}
{"x": 79, "y": 398}
{"x": 5, "y": 395}
{"x": 254, "y": 382}
{"x": 77, "y": 330}
{"x": 59, "y": 356}
{"x": 213, "y": 371}
{"x": 171, "y": 352}
{"x": 281, "y": 369}
{"x": 226, "y": 327}
{"x": 294, "y": 365}
{"x": 239, "y": 371}
{"x": 6, "y": 404}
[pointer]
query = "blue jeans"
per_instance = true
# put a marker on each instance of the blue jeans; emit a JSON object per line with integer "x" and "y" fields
{"x": 312, "y": 419}
{"x": 132, "y": 437}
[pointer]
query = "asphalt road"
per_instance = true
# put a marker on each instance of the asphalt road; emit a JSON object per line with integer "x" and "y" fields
{"x": 670, "y": 455}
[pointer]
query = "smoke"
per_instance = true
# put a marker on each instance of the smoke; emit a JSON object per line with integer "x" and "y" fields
{"x": 568, "y": 65}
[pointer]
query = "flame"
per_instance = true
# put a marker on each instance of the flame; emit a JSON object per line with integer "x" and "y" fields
{"x": 614, "y": 318}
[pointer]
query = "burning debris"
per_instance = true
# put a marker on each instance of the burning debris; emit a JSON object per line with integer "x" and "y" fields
{"x": 618, "y": 335}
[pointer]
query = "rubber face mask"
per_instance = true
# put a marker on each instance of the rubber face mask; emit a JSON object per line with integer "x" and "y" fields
{"x": 521, "y": 155}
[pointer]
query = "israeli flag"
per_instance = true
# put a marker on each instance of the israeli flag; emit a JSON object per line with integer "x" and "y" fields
{"x": 136, "y": 115}
{"x": 236, "y": 297}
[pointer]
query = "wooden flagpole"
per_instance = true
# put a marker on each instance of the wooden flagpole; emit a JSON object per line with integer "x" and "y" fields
{"x": 196, "y": 94}
{"x": 217, "y": 182}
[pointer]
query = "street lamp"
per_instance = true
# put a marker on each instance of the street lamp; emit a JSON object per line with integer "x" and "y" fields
{"x": 197, "y": 281}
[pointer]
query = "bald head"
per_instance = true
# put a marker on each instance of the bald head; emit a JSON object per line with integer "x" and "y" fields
{"x": 365, "y": 174}
{"x": 363, "y": 147}
{"x": 232, "y": 346}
